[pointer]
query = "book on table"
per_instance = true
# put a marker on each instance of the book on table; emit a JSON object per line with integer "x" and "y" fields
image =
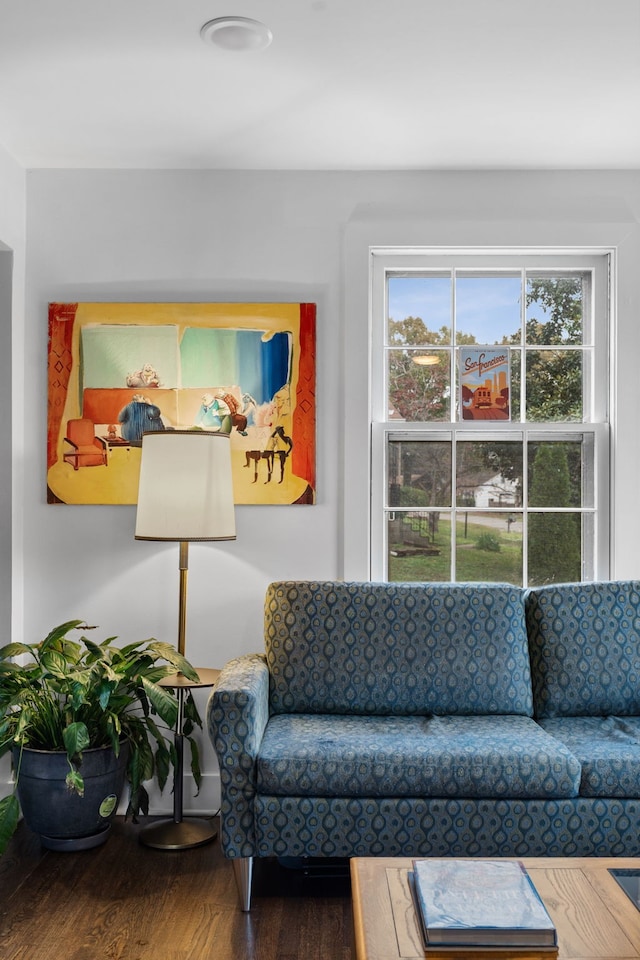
{"x": 480, "y": 904}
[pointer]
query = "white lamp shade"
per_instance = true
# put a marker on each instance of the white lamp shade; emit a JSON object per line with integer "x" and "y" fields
{"x": 185, "y": 490}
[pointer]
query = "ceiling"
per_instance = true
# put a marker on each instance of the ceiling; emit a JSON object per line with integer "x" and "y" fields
{"x": 345, "y": 85}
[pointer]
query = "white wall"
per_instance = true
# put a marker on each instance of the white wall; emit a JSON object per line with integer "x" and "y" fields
{"x": 12, "y": 267}
{"x": 277, "y": 236}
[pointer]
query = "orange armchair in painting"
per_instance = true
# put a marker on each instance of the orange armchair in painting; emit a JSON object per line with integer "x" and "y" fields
{"x": 87, "y": 450}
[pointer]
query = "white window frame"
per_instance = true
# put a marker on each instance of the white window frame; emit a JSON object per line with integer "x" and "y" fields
{"x": 596, "y": 419}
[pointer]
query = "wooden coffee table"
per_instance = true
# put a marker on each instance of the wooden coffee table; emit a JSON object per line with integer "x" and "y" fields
{"x": 594, "y": 917}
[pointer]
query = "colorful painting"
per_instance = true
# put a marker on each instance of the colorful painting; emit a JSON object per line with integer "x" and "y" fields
{"x": 119, "y": 369}
{"x": 484, "y": 383}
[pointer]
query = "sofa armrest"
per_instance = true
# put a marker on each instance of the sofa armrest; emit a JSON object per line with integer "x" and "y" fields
{"x": 237, "y": 714}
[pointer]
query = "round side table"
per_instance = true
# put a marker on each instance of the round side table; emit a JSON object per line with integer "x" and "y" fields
{"x": 180, "y": 833}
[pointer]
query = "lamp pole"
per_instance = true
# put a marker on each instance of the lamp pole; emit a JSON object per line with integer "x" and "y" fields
{"x": 185, "y": 492}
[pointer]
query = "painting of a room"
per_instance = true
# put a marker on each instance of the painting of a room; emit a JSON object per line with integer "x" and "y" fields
{"x": 118, "y": 370}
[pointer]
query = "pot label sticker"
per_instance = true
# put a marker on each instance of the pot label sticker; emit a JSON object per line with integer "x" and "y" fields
{"x": 108, "y": 805}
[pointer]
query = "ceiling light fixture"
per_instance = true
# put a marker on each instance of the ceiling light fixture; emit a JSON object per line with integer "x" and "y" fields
{"x": 236, "y": 33}
{"x": 426, "y": 359}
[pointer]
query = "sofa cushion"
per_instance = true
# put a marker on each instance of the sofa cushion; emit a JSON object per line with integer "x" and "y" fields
{"x": 608, "y": 749}
{"x": 446, "y": 827}
{"x": 585, "y": 648}
{"x": 397, "y": 648}
{"x": 352, "y": 756}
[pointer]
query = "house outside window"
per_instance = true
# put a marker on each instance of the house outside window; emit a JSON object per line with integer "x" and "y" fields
{"x": 490, "y": 415}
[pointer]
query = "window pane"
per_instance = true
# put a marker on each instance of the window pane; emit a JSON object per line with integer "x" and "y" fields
{"x": 419, "y": 546}
{"x": 554, "y": 385}
{"x": 419, "y": 310}
{"x": 419, "y": 473}
{"x": 488, "y": 474}
{"x": 554, "y": 548}
{"x": 419, "y": 391}
{"x": 489, "y": 547}
{"x": 488, "y": 308}
{"x": 555, "y": 309}
{"x": 557, "y": 475}
{"x": 588, "y": 538}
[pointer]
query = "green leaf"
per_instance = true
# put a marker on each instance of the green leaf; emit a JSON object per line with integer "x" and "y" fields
{"x": 59, "y": 632}
{"x": 195, "y": 764}
{"x": 163, "y": 765}
{"x": 7, "y": 667}
{"x": 191, "y": 711}
{"x": 96, "y": 650}
{"x": 130, "y": 648}
{"x": 9, "y": 815}
{"x": 154, "y": 730}
{"x": 114, "y": 736}
{"x": 75, "y": 782}
{"x": 54, "y": 663}
{"x": 24, "y": 719}
{"x": 76, "y": 738}
{"x": 78, "y": 694}
{"x": 138, "y": 803}
{"x": 14, "y": 650}
{"x": 169, "y": 653}
{"x": 104, "y": 691}
{"x": 162, "y": 701}
{"x": 141, "y": 763}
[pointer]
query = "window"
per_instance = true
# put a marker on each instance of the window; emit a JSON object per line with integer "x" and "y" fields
{"x": 490, "y": 385}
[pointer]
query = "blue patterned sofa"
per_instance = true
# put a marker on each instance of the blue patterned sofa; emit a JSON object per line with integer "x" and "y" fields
{"x": 430, "y": 719}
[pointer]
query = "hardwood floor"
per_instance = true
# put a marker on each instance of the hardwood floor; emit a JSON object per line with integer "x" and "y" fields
{"x": 124, "y": 901}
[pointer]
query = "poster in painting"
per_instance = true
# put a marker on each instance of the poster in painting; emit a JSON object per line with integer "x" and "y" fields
{"x": 485, "y": 383}
{"x": 118, "y": 369}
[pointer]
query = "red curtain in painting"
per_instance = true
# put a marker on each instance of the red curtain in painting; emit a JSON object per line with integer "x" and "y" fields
{"x": 61, "y": 320}
{"x": 304, "y": 420}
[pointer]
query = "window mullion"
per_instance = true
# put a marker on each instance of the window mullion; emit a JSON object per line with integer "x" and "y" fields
{"x": 522, "y": 348}
{"x": 453, "y": 506}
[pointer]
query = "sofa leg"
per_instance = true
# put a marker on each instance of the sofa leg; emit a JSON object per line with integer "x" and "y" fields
{"x": 243, "y": 869}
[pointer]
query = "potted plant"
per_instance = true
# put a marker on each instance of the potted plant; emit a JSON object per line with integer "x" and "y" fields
{"x": 78, "y": 704}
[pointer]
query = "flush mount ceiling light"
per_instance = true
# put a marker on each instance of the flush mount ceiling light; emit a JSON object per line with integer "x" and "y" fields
{"x": 236, "y": 33}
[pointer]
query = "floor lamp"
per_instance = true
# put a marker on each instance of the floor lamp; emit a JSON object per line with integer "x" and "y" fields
{"x": 185, "y": 494}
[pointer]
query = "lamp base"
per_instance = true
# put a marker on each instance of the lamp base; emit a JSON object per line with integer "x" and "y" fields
{"x": 172, "y": 835}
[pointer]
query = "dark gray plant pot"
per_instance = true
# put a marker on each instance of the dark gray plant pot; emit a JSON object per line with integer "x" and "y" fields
{"x": 64, "y": 820}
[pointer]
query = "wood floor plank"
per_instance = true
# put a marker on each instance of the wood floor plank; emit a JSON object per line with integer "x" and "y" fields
{"x": 124, "y": 901}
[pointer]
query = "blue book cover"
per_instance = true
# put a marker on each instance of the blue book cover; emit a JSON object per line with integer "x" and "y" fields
{"x": 479, "y": 904}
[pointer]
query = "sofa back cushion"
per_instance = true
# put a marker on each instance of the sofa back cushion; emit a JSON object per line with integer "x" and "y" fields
{"x": 397, "y": 648}
{"x": 585, "y": 648}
